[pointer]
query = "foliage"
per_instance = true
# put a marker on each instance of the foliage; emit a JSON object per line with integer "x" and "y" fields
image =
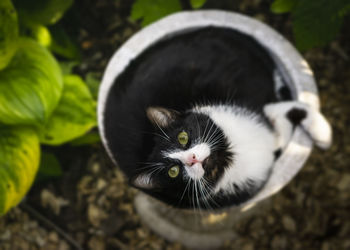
{"x": 74, "y": 115}
{"x": 30, "y": 86}
{"x": 19, "y": 161}
{"x": 315, "y": 22}
{"x": 8, "y": 32}
{"x": 39, "y": 101}
{"x": 196, "y": 4}
{"x": 152, "y": 10}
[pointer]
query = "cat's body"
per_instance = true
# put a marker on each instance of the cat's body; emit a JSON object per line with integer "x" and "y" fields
{"x": 191, "y": 122}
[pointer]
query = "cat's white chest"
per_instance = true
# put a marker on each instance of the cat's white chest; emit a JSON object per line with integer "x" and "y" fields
{"x": 251, "y": 143}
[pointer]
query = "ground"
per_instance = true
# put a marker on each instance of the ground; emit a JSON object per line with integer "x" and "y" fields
{"x": 91, "y": 207}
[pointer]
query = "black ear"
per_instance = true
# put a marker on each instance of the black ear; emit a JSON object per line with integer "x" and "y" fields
{"x": 143, "y": 181}
{"x": 161, "y": 116}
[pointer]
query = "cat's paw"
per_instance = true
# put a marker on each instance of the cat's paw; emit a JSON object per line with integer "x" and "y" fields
{"x": 316, "y": 125}
{"x": 286, "y": 115}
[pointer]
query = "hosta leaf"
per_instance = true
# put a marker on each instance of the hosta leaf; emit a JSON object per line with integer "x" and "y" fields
{"x": 8, "y": 32}
{"x": 30, "y": 86}
{"x": 74, "y": 115}
{"x": 62, "y": 44}
{"x": 42, "y": 11}
{"x": 283, "y": 6}
{"x": 38, "y": 32}
{"x": 317, "y": 22}
{"x": 152, "y": 10}
{"x": 196, "y": 4}
{"x": 88, "y": 139}
{"x": 49, "y": 167}
{"x": 93, "y": 83}
{"x": 19, "y": 161}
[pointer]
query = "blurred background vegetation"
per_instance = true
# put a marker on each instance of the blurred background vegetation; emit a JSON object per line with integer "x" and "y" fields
{"x": 52, "y": 56}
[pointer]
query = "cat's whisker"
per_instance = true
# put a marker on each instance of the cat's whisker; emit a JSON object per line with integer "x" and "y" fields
{"x": 204, "y": 194}
{"x": 162, "y": 136}
{"x": 206, "y": 137}
{"x": 199, "y": 129}
{"x": 197, "y": 197}
{"x": 183, "y": 194}
{"x": 150, "y": 165}
{"x": 162, "y": 130}
{"x": 213, "y": 134}
{"x": 205, "y": 130}
{"x": 208, "y": 186}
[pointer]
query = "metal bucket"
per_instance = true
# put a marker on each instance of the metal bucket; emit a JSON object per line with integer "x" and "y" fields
{"x": 210, "y": 229}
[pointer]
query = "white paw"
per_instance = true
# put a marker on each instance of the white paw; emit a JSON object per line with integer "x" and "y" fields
{"x": 296, "y": 113}
{"x": 318, "y": 128}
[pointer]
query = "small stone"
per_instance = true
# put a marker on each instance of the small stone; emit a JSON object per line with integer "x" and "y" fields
{"x": 344, "y": 183}
{"x": 6, "y": 235}
{"x": 101, "y": 184}
{"x": 95, "y": 215}
{"x": 270, "y": 220}
{"x": 289, "y": 223}
{"x": 95, "y": 168}
{"x": 279, "y": 242}
{"x": 248, "y": 246}
{"x": 96, "y": 243}
{"x": 53, "y": 237}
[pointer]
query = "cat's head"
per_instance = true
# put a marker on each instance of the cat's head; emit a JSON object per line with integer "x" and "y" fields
{"x": 188, "y": 159}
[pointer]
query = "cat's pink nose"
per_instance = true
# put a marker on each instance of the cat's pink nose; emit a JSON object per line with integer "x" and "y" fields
{"x": 192, "y": 159}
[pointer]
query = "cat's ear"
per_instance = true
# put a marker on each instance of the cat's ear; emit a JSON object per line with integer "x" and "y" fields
{"x": 143, "y": 181}
{"x": 161, "y": 116}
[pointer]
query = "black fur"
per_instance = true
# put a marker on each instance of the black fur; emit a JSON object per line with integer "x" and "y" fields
{"x": 173, "y": 190}
{"x": 296, "y": 115}
{"x": 211, "y": 65}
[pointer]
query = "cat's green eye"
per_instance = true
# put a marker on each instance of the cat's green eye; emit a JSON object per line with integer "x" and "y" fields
{"x": 174, "y": 171}
{"x": 182, "y": 137}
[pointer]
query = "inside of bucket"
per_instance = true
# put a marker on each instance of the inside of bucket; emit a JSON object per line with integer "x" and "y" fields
{"x": 285, "y": 88}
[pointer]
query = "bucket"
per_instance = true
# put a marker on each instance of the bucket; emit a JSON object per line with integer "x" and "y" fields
{"x": 210, "y": 229}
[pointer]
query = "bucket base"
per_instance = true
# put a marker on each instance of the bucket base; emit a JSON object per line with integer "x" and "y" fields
{"x": 192, "y": 228}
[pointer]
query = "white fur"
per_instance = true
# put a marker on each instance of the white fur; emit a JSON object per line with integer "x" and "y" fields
{"x": 144, "y": 181}
{"x": 314, "y": 124}
{"x": 251, "y": 142}
{"x": 201, "y": 152}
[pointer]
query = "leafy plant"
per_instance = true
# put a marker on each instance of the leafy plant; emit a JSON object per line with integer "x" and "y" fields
{"x": 152, "y": 10}
{"x": 315, "y": 22}
{"x": 39, "y": 103}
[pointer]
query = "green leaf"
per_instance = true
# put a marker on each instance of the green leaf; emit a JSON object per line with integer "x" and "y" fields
{"x": 93, "y": 83}
{"x": 283, "y": 6}
{"x": 19, "y": 162}
{"x": 74, "y": 115}
{"x": 45, "y": 12}
{"x": 49, "y": 167}
{"x": 317, "y": 22}
{"x": 62, "y": 44}
{"x": 67, "y": 66}
{"x": 152, "y": 10}
{"x": 88, "y": 139}
{"x": 196, "y": 4}
{"x": 30, "y": 86}
{"x": 8, "y": 32}
{"x": 38, "y": 32}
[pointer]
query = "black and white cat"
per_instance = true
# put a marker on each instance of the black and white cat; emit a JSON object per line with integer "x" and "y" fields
{"x": 196, "y": 122}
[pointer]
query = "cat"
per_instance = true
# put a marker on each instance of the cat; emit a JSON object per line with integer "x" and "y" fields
{"x": 221, "y": 155}
{"x": 197, "y": 122}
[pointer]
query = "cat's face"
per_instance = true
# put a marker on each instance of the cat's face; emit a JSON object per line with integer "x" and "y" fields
{"x": 189, "y": 156}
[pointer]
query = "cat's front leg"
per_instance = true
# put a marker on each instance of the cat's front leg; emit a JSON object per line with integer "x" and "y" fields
{"x": 285, "y": 116}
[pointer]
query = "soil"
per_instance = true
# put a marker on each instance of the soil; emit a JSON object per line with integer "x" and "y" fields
{"x": 91, "y": 206}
